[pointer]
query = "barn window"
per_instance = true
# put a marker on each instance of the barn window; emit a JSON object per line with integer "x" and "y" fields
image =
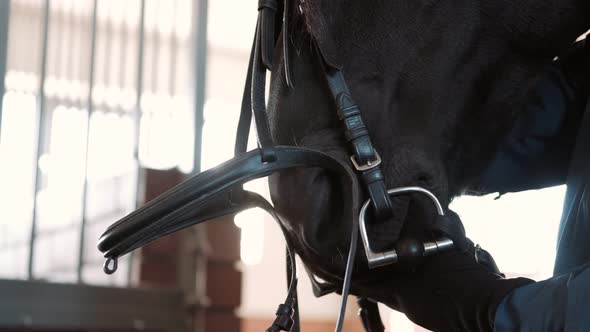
{"x": 94, "y": 91}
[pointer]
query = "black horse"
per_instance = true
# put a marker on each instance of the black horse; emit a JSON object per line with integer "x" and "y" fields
{"x": 439, "y": 84}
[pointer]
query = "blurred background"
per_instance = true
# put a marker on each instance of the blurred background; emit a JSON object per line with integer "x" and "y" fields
{"x": 106, "y": 104}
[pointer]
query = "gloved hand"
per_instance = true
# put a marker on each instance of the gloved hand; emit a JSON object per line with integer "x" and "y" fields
{"x": 450, "y": 291}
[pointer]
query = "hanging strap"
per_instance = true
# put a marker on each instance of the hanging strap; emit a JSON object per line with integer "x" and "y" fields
{"x": 369, "y": 315}
{"x": 258, "y": 97}
{"x": 245, "y": 120}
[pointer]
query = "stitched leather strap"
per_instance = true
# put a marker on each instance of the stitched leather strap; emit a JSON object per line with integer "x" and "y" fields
{"x": 261, "y": 58}
{"x": 364, "y": 153}
{"x": 266, "y": 19}
{"x": 258, "y": 97}
{"x": 245, "y": 120}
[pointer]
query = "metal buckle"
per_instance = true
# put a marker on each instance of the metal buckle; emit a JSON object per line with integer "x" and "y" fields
{"x": 368, "y": 165}
{"x": 376, "y": 259}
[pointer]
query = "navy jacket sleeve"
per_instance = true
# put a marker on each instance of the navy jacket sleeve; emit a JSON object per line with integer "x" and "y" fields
{"x": 537, "y": 152}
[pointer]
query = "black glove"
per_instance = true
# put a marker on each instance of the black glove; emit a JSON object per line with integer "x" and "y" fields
{"x": 450, "y": 291}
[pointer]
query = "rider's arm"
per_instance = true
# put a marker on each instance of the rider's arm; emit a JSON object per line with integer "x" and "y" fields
{"x": 537, "y": 152}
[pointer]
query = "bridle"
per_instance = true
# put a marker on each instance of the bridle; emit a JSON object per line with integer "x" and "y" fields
{"x": 218, "y": 191}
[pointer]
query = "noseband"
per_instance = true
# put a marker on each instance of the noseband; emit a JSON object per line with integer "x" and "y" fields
{"x": 219, "y": 191}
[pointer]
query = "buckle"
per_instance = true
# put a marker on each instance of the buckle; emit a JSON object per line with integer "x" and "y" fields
{"x": 368, "y": 165}
{"x": 376, "y": 259}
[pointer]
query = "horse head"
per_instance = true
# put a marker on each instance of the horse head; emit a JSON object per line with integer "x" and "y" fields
{"x": 438, "y": 83}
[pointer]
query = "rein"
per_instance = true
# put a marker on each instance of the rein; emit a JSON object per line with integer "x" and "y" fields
{"x": 219, "y": 191}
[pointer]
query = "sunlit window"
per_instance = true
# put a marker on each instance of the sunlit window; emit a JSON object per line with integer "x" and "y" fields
{"x": 398, "y": 322}
{"x": 89, "y": 155}
{"x": 252, "y": 243}
{"x": 218, "y": 143}
{"x": 167, "y": 135}
{"x": 17, "y": 146}
{"x": 519, "y": 230}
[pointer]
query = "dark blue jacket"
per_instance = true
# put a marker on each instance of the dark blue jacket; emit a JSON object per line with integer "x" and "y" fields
{"x": 550, "y": 145}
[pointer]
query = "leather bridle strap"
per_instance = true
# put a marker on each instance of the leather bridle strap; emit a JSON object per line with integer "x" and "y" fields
{"x": 253, "y": 98}
{"x": 365, "y": 158}
{"x": 254, "y": 88}
{"x": 261, "y": 60}
{"x": 244, "y": 122}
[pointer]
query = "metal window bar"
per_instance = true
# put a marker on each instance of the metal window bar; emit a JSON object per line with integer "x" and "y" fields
{"x": 90, "y": 106}
{"x": 173, "y": 52}
{"x": 200, "y": 57}
{"x": 4, "y": 22}
{"x": 155, "y": 51}
{"x": 199, "y": 54}
{"x": 108, "y": 37}
{"x": 41, "y": 121}
{"x": 137, "y": 119}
